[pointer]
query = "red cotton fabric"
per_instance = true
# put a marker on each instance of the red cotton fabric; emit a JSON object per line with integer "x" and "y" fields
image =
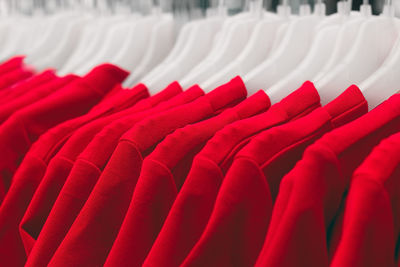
{"x": 23, "y": 128}
{"x": 243, "y": 207}
{"x": 40, "y": 92}
{"x": 371, "y": 223}
{"x": 13, "y": 63}
{"x": 162, "y": 175}
{"x": 84, "y": 175}
{"x": 61, "y": 164}
{"x": 193, "y": 205}
{"x": 13, "y": 133}
{"x": 110, "y": 197}
{"x": 13, "y": 92}
{"x": 13, "y": 77}
{"x": 306, "y": 222}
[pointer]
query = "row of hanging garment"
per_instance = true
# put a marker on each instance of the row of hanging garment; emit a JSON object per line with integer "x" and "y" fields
{"x": 255, "y": 139}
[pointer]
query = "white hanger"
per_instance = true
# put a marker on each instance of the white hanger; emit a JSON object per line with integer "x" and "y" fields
{"x": 131, "y": 52}
{"x": 217, "y": 44}
{"x": 20, "y": 36}
{"x": 4, "y": 34}
{"x": 15, "y": 30}
{"x": 187, "y": 31}
{"x": 235, "y": 41}
{"x": 280, "y": 34}
{"x": 291, "y": 51}
{"x": 222, "y": 37}
{"x": 60, "y": 53}
{"x": 181, "y": 41}
{"x": 109, "y": 42}
{"x": 112, "y": 43}
{"x": 197, "y": 46}
{"x": 52, "y": 38}
{"x": 346, "y": 37}
{"x": 92, "y": 38}
{"x": 322, "y": 45}
{"x": 257, "y": 50}
{"x": 233, "y": 44}
{"x": 384, "y": 82}
{"x": 320, "y": 51}
{"x": 160, "y": 44}
{"x": 373, "y": 44}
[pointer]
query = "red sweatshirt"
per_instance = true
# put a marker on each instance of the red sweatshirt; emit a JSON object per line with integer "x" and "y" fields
{"x": 193, "y": 205}
{"x": 23, "y": 128}
{"x": 15, "y": 76}
{"x": 242, "y": 210}
{"x": 111, "y": 196}
{"x": 13, "y": 92}
{"x": 371, "y": 224}
{"x": 13, "y": 63}
{"x": 35, "y": 94}
{"x": 161, "y": 177}
{"x": 61, "y": 164}
{"x": 84, "y": 175}
{"x": 307, "y": 218}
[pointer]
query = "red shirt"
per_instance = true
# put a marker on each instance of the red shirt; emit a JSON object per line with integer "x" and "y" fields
{"x": 371, "y": 224}
{"x": 84, "y": 175}
{"x": 309, "y": 204}
{"x": 11, "y": 106}
{"x": 11, "y": 64}
{"x": 162, "y": 174}
{"x": 61, "y": 164}
{"x": 10, "y": 78}
{"x": 193, "y": 205}
{"x": 23, "y": 128}
{"x": 13, "y": 92}
{"x": 244, "y": 203}
{"x": 111, "y": 196}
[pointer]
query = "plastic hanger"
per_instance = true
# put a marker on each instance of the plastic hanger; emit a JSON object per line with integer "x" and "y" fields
{"x": 53, "y": 36}
{"x": 22, "y": 32}
{"x": 187, "y": 32}
{"x": 160, "y": 44}
{"x": 197, "y": 46}
{"x": 60, "y": 53}
{"x": 13, "y": 29}
{"x": 230, "y": 27}
{"x": 280, "y": 33}
{"x": 257, "y": 50}
{"x": 346, "y": 37}
{"x": 373, "y": 44}
{"x": 235, "y": 41}
{"x": 118, "y": 35}
{"x": 320, "y": 51}
{"x": 384, "y": 82}
{"x": 231, "y": 46}
{"x": 181, "y": 41}
{"x": 109, "y": 41}
{"x": 131, "y": 53}
{"x": 92, "y": 38}
{"x": 292, "y": 50}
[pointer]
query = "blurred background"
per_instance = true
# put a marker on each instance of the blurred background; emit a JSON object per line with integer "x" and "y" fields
{"x": 191, "y": 9}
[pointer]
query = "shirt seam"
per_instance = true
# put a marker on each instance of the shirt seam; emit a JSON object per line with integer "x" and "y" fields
{"x": 90, "y": 163}
{"x": 170, "y": 175}
{"x": 346, "y": 112}
{"x": 214, "y": 164}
